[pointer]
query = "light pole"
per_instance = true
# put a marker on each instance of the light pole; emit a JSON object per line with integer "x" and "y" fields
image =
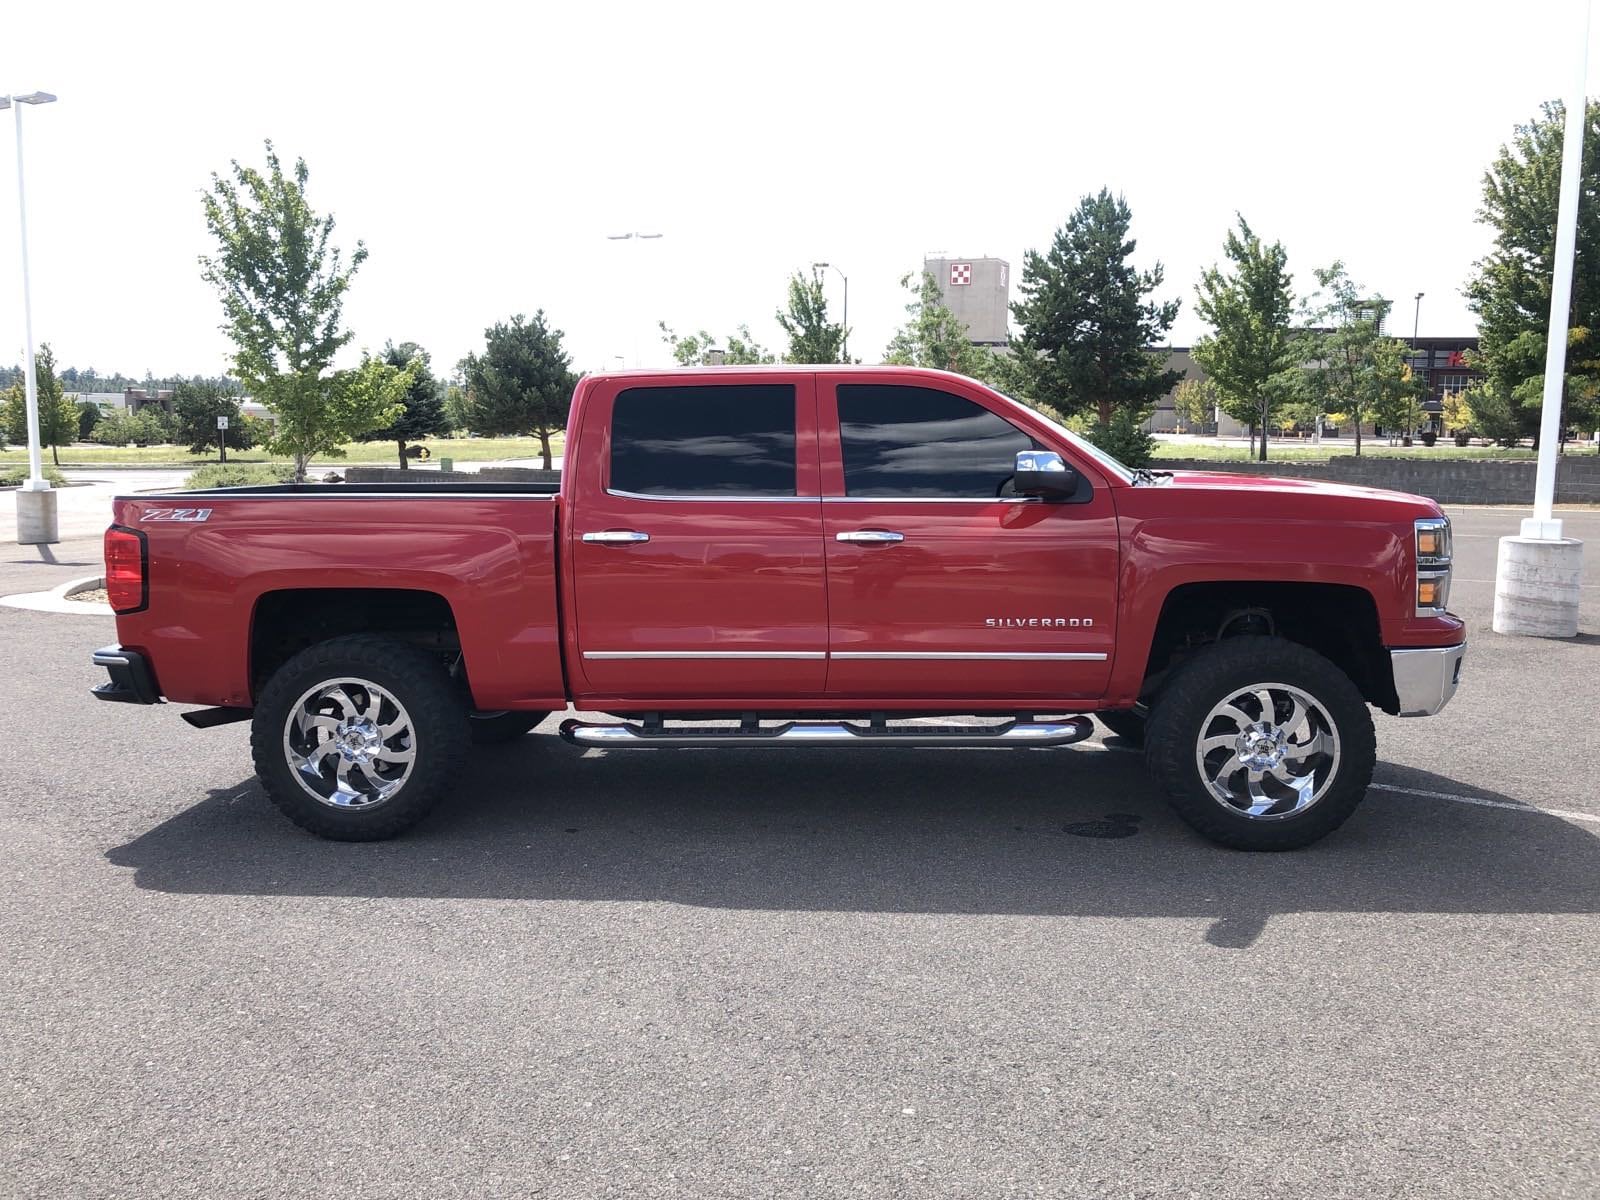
{"x": 844, "y": 317}
{"x": 634, "y": 236}
{"x": 37, "y": 523}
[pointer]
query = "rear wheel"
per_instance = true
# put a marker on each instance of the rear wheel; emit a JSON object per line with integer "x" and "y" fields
{"x": 492, "y": 728}
{"x": 356, "y": 738}
{"x": 1261, "y": 744}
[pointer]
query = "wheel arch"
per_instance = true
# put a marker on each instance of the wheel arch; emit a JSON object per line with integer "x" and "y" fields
{"x": 285, "y": 621}
{"x": 1339, "y": 621}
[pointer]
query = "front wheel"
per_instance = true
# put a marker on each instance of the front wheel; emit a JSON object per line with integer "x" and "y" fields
{"x": 355, "y": 739}
{"x": 1261, "y": 744}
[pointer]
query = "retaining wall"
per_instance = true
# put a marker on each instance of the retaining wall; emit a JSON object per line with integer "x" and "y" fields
{"x": 1447, "y": 480}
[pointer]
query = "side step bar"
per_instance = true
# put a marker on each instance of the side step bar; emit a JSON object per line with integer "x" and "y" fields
{"x": 828, "y": 734}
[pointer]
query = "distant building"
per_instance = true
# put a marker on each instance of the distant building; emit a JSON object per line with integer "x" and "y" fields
{"x": 1440, "y": 362}
{"x": 978, "y": 292}
{"x": 136, "y": 400}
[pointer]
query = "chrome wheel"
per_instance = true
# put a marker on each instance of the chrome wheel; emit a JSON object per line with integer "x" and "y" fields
{"x": 349, "y": 743}
{"x": 1268, "y": 751}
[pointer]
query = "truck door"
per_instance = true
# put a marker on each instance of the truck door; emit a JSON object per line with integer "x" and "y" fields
{"x": 695, "y": 540}
{"x": 941, "y": 583}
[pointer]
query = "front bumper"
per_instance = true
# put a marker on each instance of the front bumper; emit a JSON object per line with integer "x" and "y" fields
{"x": 1424, "y": 680}
{"x": 130, "y": 682}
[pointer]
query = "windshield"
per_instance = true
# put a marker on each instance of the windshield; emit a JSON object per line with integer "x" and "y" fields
{"x": 1110, "y": 465}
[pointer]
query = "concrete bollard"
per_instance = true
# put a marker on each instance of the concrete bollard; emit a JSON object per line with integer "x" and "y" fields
{"x": 37, "y": 524}
{"x": 1537, "y": 585}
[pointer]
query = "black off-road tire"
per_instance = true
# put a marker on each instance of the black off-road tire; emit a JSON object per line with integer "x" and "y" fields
{"x": 1126, "y": 724}
{"x": 1211, "y": 676}
{"x": 437, "y": 717}
{"x": 491, "y": 729}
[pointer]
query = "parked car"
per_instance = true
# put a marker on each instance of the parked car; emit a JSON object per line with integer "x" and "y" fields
{"x": 803, "y": 557}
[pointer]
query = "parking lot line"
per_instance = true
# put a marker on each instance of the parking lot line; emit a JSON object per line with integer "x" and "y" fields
{"x": 1566, "y": 814}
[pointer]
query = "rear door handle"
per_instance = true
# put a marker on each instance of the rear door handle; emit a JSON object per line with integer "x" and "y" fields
{"x": 617, "y": 537}
{"x": 870, "y": 536}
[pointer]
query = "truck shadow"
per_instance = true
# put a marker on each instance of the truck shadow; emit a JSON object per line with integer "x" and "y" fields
{"x": 898, "y": 831}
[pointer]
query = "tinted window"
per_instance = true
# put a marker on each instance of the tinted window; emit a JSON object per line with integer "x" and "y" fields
{"x": 704, "y": 441}
{"x": 911, "y": 441}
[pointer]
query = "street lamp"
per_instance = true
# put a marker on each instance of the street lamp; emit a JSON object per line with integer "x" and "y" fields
{"x": 844, "y": 319}
{"x": 37, "y": 523}
{"x": 1416, "y": 323}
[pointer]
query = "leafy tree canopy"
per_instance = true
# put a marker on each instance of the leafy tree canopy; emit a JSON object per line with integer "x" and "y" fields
{"x": 1087, "y": 317}
{"x": 1511, "y": 286}
{"x": 1252, "y": 353}
{"x": 282, "y": 283}
{"x": 812, "y": 337}
{"x": 422, "y": 414}
{"x": 739, "y": 348}
{"x": 521, "y": 383}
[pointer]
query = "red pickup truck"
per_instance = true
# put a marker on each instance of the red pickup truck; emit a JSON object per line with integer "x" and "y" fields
{"x": 796, "y": 557}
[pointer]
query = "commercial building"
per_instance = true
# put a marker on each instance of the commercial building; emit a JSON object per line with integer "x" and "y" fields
{"x": 978, "y": 292}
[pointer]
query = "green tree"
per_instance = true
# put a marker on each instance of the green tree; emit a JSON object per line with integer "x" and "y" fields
{"x": 423, "y": 413}
{"x": 1087, "y": 321}
{"x": 455, "y": 408}
{"x": 1252, "y": 352}
{"x": 1354, "y": 371}
{"x": 58, "y": 416}
{"x": 521, "y": 383}
{"x": 812, "y": 337}
{"x": 933, "y": 336}
{"x": 196, "y": 405}
{"x": 1511, "y": 286}
{"x": 1195, "y": 403}
{"x": 88, "y": 417}
{"x": 282, "y": 284}
{"x": 739, "y": 349}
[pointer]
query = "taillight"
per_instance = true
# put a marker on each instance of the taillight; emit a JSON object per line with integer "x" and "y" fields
{"x": 127, "y": 586}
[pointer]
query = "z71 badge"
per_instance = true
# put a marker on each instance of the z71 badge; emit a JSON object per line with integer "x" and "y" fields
{"x": 175, "y": 514}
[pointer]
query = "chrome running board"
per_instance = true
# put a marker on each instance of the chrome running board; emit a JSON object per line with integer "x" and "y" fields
{"x": 828, "y": 734}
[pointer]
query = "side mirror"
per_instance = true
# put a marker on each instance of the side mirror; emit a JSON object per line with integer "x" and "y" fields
{"x": 1043, "y": 473}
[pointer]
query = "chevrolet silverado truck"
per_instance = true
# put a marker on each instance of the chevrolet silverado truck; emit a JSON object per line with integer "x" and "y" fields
{"x": 806, "y": 557}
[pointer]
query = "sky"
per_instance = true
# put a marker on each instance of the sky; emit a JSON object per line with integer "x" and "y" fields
{"x": 484, "y": 153}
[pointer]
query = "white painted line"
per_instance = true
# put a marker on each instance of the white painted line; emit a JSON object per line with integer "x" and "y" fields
{"x": 1518, "y": 806}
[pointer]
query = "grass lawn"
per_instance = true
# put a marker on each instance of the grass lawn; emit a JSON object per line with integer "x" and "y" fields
{"x": 1303, "y": 452}
{"x": 366, "y": 453}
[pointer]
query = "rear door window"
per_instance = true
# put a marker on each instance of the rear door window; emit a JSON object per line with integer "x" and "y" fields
{"x": 708, "y": 440}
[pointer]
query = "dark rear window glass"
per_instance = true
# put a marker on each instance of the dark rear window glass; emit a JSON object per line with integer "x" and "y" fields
{"x": 736, "y": 440}
{"x": 912, "y": 441}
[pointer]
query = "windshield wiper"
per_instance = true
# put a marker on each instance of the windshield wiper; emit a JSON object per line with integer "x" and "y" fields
{"x": 1146, "y": 475}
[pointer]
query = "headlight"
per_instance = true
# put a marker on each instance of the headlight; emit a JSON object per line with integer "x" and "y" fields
{"x": 1433, "y": 566}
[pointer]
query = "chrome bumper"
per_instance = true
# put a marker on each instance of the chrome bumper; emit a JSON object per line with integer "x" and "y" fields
{"x": 1424, "y": 680}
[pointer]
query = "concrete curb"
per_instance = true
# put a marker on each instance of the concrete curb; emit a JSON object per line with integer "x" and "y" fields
{"x": 57, "y": 599}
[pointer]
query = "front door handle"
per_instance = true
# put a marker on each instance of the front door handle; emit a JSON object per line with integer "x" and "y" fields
{"x": 871, "y": 537}
{"x": 617, "y": 537}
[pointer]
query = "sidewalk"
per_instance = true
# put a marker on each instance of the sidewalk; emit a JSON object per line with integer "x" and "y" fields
{"x": 84, "y": 512}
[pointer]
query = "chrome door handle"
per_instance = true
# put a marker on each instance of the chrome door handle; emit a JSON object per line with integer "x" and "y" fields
{"x": 617, "y": 537}
{"x": 870, "y": 536}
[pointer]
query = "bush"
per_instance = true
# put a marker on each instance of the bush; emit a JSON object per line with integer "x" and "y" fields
{"x": 1125, "y": 438}
{"x": 12, "y": 476}
{"x": 221, "y": 475}
{"x": 1429, "y": 437}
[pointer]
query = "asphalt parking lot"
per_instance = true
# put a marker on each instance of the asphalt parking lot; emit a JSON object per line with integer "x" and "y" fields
{"x": 895, "y": 973}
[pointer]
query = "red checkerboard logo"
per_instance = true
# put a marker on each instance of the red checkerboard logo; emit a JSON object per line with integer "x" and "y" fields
{"x": 960, "y": 274}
